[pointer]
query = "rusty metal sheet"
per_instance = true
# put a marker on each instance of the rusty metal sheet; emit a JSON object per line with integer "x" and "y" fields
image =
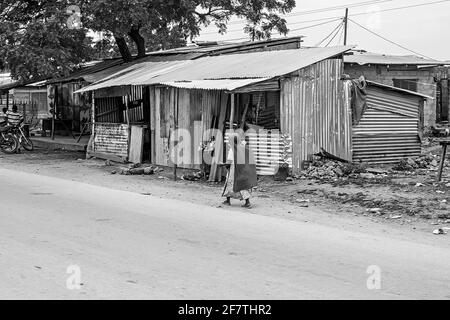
{"x": 363, "y": 58}
{"x": 314, "y": 113}
{"x": 388, "y": 130}
{"x": 266, "y": 64}
{"x": 223, "y": 84}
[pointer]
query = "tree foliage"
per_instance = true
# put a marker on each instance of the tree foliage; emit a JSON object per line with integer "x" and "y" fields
{"x": 144, "y": 21}
{"x": 37, "y": 41}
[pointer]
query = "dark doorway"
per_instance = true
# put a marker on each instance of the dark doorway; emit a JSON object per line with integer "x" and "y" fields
{"x": 442, "y": 100}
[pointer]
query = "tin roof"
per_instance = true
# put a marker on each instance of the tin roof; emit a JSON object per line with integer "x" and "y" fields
{"x": 224, "y": 47}
{"x": 253, "y": 65}
{"x": 108, "y": 67}
{"x": 16, "y": 84}
{"x": 385, "y": 86}
{"x": 137, "y": 74}
{"x": 266, "y": 64}
{"x": 363, "y": 58}
{"x": 223, "y": 84}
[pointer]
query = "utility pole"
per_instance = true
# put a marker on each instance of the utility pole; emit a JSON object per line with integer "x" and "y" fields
{"x": 345, "y": 26}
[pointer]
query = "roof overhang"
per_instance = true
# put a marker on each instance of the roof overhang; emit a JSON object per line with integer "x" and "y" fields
{"x": 246, "y": 67}
{"x": 219, "y": 84}
{"x": 385, "y": 86}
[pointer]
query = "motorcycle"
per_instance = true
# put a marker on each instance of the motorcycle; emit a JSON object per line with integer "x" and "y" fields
{"x": 9, "y": 144}
{"x": 25, "y": 142}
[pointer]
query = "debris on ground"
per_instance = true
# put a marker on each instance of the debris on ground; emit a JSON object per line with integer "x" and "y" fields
{"x": 426, "y": 161}
{"x": 325, "y": 169}
{"x": 138, "y": 170}
{"x": 193, "y": 176}
{"x": 439, "y": 232}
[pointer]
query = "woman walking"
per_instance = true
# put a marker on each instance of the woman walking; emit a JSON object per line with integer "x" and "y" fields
{"x": 241, "y": 176}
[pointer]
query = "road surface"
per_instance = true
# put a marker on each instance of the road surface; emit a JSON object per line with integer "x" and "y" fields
{"x": 61, "y": 239}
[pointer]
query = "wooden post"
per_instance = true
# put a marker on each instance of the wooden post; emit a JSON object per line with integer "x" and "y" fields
{"x": 7, "y": 99}
{"x": 175, "y": 124}
{"x": 244, "y": 115}
{"x": 232, "y": 111}
{"x": 92, "y": 139}
{"x": 218, "y": 152}
{"x": 126, "y": 110}
{"x": 441, "y": 166}
{"x": 53, "y": 121}
{"x": 345, "y": 26}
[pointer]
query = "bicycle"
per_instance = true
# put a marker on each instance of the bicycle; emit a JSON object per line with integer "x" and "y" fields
{"x": 25, "y": 142}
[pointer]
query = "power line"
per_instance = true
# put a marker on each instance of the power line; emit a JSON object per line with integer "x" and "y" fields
{"x": 337, "y": 17}
{"x": 390, "y": 41}
{"x": 315, "y": 25}
{"x": 330, "y": 19}
{"x": 404, "y": 7}
{"x": 384, "y": 10}
{"x": 340, "y": 37}
{"x": 335, "y": 8}
{"x": 337, "y": 32}
{"x": 320, "y": 10}
{"x": 330, "y": 34}
{"x": 298, "y": 29}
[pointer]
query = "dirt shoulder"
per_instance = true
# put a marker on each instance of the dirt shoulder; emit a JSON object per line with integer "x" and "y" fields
{"x": 405, "y": 208}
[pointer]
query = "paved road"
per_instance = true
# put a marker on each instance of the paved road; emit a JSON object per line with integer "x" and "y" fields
{"x": 129, "y": 245}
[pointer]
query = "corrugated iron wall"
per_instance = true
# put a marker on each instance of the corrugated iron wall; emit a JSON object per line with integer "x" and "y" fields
{"x": 388, "y": 130}
{"x": 269, "y": 149}
{"x": 190, "y": 108}
{"x": 135, "y": 105}
{"x": 109, "y": 110}
{"x": 313, "y": 112}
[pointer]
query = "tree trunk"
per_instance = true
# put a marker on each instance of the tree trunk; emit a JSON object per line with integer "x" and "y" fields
{"x": 123, "y": 48}
{"x": 139, "y": 40}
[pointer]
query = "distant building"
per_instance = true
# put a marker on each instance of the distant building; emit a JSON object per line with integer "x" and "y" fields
{"x": 425, "y": 76}
{"x": 5, "y": 78}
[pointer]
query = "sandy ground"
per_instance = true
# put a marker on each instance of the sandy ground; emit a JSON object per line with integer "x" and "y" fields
{"x": 331, "y": 204}
{"x": 64, "y": 239}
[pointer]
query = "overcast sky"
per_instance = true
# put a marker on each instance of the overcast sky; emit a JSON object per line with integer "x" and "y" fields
{"x": 423, "y": 29}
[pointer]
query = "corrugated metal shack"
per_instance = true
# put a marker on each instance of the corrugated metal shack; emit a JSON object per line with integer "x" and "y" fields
{"x": 389, "y": 128}
{"x": 125, "y": 104}
{"x": 413, "y": 73}
{"x": 31, "y": 99}
{"x": 298, "y": 92}
{"x": 72, "y": 111}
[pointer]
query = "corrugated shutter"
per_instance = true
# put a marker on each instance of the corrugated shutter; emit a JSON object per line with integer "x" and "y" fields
{"x": 388, "y": 130}
{"x": 269, "y": 150}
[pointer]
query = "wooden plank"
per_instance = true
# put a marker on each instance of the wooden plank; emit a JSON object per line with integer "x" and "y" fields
{"x": 112, "y": 92}
{"x": 232, "y": 110}
{"x": 218, "y": 155}
{"x": 136, "y": 144}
